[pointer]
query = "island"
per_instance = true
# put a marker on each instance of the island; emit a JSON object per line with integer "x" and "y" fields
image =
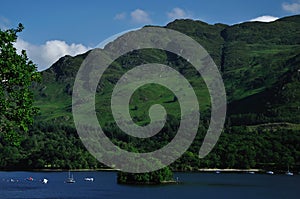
{"x": 162, "y": 176}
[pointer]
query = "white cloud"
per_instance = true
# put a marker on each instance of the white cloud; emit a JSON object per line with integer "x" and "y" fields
{"x": 178, "y": 13}
{"x": 140, "y": 16}
{"x": 120, "y": 16}
{"x": 265, "y": 18}
{"x": 291, "y": 7}
{"x": 45, "y": 55}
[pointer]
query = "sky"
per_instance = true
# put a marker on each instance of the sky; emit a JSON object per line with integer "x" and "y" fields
{"x": 54, "y": 28}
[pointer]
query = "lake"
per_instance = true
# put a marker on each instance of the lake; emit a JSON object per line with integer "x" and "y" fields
{"x": 195, "y": 185}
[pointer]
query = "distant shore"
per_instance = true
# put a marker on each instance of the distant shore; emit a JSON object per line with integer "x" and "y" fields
{"x": 110, "y": 169}
{"x": 61, "y": 170}
{"x": 230, "y": 170}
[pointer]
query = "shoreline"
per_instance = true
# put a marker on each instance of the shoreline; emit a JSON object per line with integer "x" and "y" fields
{"x": 230, "y": 170}
{"x": 204, "y": 170}
{"x": 115, "y": 170}
{"x": 61, "y": 170}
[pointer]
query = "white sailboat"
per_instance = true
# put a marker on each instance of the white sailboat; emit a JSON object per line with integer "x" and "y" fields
{"x": 288, "y": 173}
{"x": 70, "y": 178}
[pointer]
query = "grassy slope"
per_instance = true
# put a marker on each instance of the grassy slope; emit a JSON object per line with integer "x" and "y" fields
{"x": 262, "y": 70}
{"x": 280, "y": 101}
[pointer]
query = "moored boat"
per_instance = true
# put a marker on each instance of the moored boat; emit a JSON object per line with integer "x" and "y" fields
{"x": 70, "y": 179}
{"x": 44, "y": 181}
{"x": 288, "y": 173}
{"x": 88, "y": 179}
{"x": 270, "y": 172}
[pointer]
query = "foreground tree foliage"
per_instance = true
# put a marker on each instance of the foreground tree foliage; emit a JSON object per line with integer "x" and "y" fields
{"x": 17, "y": 73}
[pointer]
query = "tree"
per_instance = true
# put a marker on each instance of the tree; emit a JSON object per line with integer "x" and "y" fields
{"x": 17, "y": 73}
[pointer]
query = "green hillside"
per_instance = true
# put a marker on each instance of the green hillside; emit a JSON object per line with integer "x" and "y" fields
{"x": 254, "y": 58}
{"x": 276, "y": 103}
{"x": 260, "y": 66}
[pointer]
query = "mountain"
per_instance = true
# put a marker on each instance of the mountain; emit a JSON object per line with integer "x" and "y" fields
{"x": 257, "y": 61}
{"x": 260, "y": 66}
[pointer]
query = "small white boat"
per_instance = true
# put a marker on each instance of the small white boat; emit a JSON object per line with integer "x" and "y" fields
{"x": 13, "y": 180}
{"x": 288, "y": 173}
{"x": 270, "y": 172}
{"x": 44, "y": 181}
{"x": 89, "y": 179}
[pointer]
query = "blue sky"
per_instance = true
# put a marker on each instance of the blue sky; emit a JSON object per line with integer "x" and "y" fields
{"x": 55, "y": 28}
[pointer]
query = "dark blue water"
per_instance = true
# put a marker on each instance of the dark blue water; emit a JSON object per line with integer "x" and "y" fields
{"x": 195, "y": 185}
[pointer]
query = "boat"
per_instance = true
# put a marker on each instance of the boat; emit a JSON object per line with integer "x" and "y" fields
{"x": 44, "y": 181}
{"x": 88, "y": 179}
{"x": 70, "y": 178}
{"x": 270, "y": 172}
{"x": 12, "y": 180}
{"x": 288, "y": 173}
{"x": 29, "y": 179}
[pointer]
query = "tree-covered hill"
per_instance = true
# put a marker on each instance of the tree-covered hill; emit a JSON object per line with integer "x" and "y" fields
{"x": 260, "y": 66}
